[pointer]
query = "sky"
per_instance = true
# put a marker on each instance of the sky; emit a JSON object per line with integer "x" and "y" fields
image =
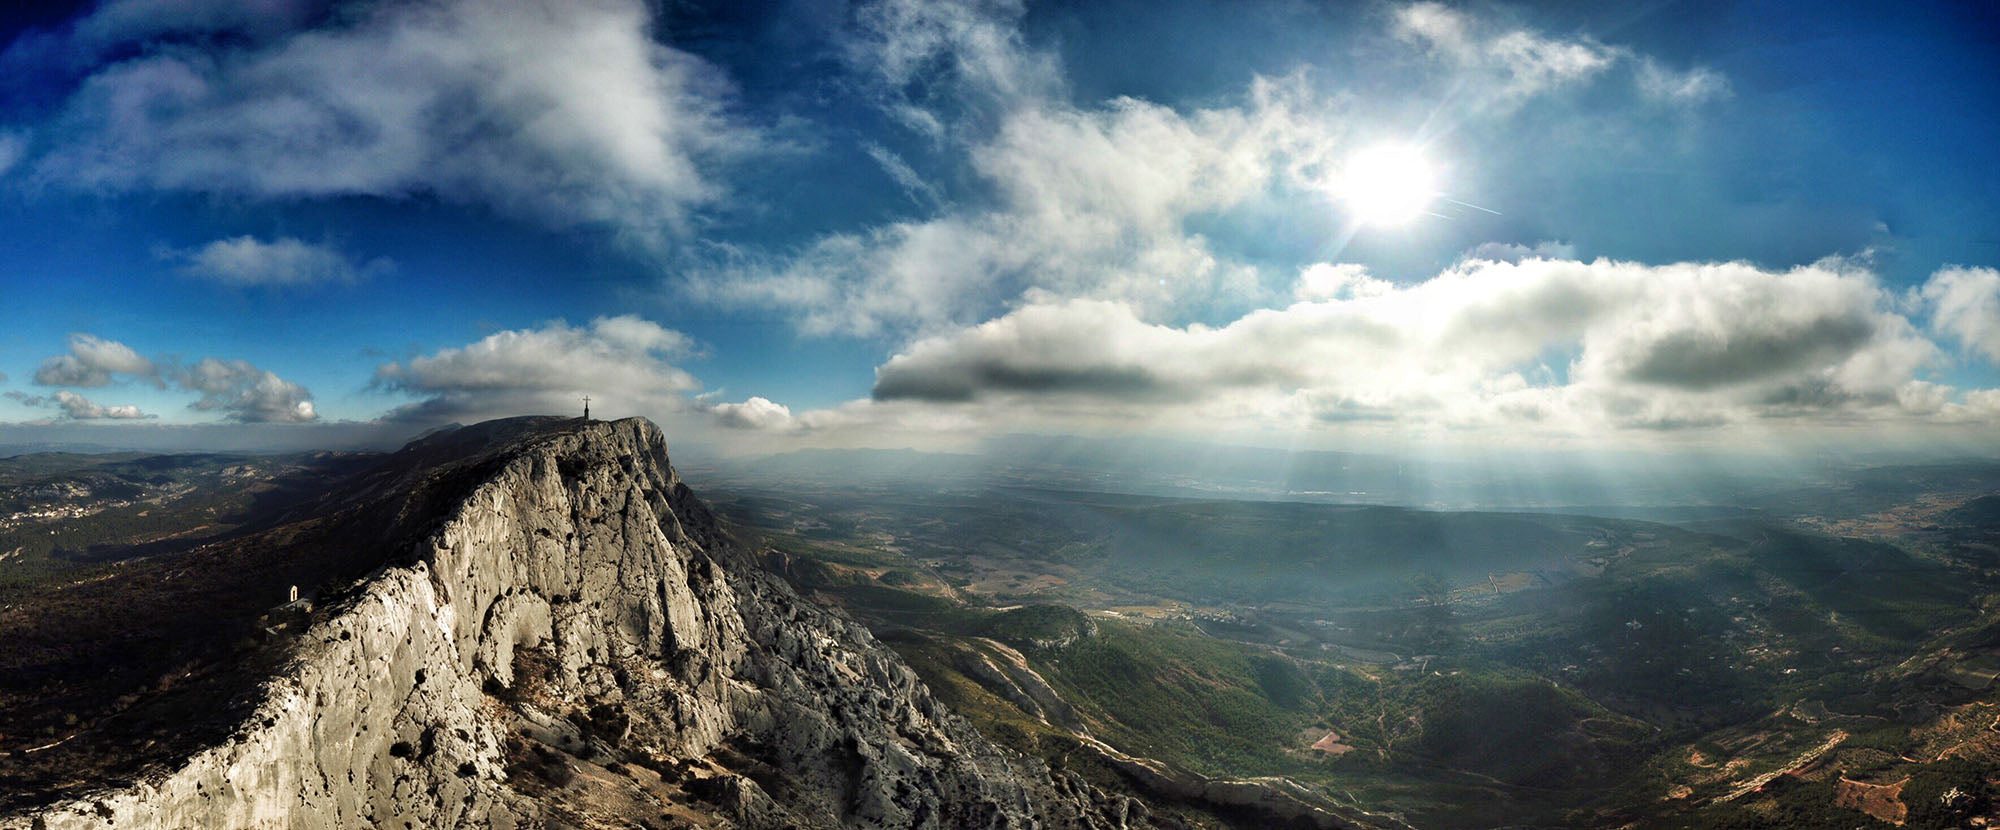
{"x": 1693, "y": 226}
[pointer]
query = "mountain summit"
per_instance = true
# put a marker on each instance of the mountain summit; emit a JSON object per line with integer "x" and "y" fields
{"x": 521, "y": 623}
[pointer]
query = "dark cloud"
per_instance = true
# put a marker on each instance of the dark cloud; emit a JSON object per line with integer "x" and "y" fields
{"x": 1709, "y": 359}
{"x": 1080, "y": 349}
{"x": 965, "y": 381}
{"x": 462, "y": 407}
{"x": 1672, "y": 347}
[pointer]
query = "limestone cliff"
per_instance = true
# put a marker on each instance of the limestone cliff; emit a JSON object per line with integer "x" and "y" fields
{"x": 570, "y": 641}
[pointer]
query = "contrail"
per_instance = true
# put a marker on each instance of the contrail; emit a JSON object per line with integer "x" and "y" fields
{"x": 1471, "y": 205}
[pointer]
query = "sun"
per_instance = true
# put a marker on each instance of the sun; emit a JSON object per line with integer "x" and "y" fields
{"x": 1387, "y": 185}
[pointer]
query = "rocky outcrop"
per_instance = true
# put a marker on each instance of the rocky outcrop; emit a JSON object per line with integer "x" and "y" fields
{"x": 1257, "y": 802}
{"x": 573, "y": 642}
{"x": 1265, "y": 801}
{"x": 1005, "y": 672}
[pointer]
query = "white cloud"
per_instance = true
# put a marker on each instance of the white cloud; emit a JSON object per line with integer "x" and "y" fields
{"x": 623, "y": 363}
{"x": 1965, "y": 303}
{"x": 913, "y": 184}
{"x": 1983, "y": 404}
{"x": 76, "y": 407}
{"x": 755, "y": 413}
{"x": 240, "y": 391}
{"x": 860, "y": 422}
{"x": 247, "y": 261}
{"x": 974, "y": 46}
{"x": 13, "y": 147}
{"x": 1502, "y": 67}
{"x": 80, "y": 408}
{"x": 1078, "y": 200}
{"x": 1328, "y": 281}
{"x": 94, "y": 361}
{"x": 1090, "y": 202}
{"x": 244, "y": 393}
{"x": 1095, "y": 201}
{"x": 1518, "y": 63}
{"x": 1695, "y": 86}
{"x": 1697, "y": 344}
{"x": 566, "y": 115}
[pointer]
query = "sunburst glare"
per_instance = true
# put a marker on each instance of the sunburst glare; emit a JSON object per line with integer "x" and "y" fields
{"x": 1387, "y": 185}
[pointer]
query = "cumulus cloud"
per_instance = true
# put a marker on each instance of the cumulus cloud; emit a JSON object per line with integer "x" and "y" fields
{"x": 1695, "y": 344}
{"x": 238, "y": 390}
{"x": 242, "y": 392}
{"x": 624, "y": 363}
{"x": 79, "y": 408}
{"x": 566, "y": 115}
{"x": 1090, "y": 348}
{"x": 1983, "y": 404}
{"x": 755, "y": 413}
{"x": 1965, "y": 303}
{"x": 245, "y": 261}
{"x": 1504, "y": 66}
{"x": 94, "y": 361}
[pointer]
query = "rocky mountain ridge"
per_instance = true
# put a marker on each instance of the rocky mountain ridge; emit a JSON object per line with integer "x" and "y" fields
{"x": 572, "y": 641}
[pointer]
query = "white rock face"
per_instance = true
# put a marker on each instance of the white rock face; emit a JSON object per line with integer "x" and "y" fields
{"x": 581, "y": 544}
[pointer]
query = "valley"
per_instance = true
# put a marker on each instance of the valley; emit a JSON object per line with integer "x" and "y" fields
{"x": 1539, "y": 669}
{"x": 66, "y": 513}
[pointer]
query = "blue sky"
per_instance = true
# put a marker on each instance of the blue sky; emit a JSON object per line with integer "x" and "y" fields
{"x": 911, "y": 224}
